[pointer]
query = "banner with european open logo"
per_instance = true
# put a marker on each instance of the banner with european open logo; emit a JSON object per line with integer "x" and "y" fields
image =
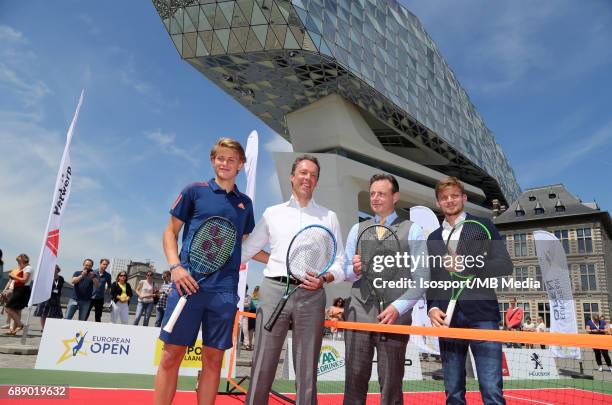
{"x": 110, "y": 348}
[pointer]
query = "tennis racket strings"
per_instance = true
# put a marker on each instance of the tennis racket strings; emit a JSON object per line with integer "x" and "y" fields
{"x": 211, "y": 246}
{"x": 312, "y": 250}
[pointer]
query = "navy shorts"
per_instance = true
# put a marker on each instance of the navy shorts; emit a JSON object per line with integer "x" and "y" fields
{"x": 213, "y": 310}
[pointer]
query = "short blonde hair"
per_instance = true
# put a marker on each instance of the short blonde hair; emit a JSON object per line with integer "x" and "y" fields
{"x": 230, "y": 144}
{"x": 23, "y": 258}
{"x": 447, "y": 182}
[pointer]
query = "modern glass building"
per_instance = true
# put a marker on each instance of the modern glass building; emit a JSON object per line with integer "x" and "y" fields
{"x": 398, "y": 106}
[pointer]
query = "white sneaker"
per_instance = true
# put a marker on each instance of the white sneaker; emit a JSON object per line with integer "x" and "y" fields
{"x": 609, "y": 368}
{"x": 600, "y": 368}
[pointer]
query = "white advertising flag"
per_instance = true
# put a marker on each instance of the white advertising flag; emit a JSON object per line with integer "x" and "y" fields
{"x": 250, "y": 170}
{"x": 43, "y": 276}
{"x": 426, "y": 219}
{"x": 555, "y": 276}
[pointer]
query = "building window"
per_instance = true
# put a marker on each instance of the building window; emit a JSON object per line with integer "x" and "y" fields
{"x": 520, "y": 244}
{"x": 532, "y": 197}
{"x": 588, "y": 279}
{"x": 526, "y": 309}
{"x": 538, "y": 276}
{"x": 585, "y": 243}
{"x": 563, "y": 236}
{"x": 544, "y": 312}
{"x": 589, "y": 309}
{"x": 503, "y": 308}
{"x": 539, "y": 210}
{"x": 521, "y": 274}
{"x": 520, "y": 213}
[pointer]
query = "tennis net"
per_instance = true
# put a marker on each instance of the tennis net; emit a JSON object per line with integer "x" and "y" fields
{"x": 540, "y": 368}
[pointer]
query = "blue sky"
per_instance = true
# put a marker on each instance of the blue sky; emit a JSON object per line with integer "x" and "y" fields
{"x": 538, "y": 72}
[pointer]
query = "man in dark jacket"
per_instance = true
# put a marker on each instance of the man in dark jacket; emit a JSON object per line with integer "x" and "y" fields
{"x": 476, "y": 307}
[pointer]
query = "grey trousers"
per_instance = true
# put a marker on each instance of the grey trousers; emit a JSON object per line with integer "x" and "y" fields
{"x": 306, "y": 311}
{"x": 360, "y": 347}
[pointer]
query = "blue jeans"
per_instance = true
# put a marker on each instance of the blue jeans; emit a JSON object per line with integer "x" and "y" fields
{"x": 82, "y": 305}
{"x": 159, "y": 316}
{"x": 147, "y": 308}
{"x": 488, "y": 360}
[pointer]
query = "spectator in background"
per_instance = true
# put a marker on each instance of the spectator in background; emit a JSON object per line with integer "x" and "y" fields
{"x": 1, "y": 263}
{"x": 253, "y": 309}
{"x": 144, "y": 290}
{"x": 104, "y": 283}
{"x": 541, "y": 327}
{"x": 162, "y": 295}
{"x": 336, "y": 313}
{"x": 529, "y": 326}
{"x": 52, "y": 307}
{"x": 597, "y": 326}
{"x": 514, "y": 316}
{"x": 21, "y": 293}
{"x": 247, "y": 335}
{"x": 121, "y": 292}
{"x": 84, "y": 283}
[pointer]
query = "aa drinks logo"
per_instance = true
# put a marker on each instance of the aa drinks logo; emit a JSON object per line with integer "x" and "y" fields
{"x": 329, "y": 360}
{"x": 82, "y": 345}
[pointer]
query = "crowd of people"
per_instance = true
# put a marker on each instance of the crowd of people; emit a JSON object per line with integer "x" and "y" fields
{"x": 91, "y": 289}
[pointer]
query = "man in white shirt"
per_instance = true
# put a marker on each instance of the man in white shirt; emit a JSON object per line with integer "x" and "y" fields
{"x": 305, "y": 309}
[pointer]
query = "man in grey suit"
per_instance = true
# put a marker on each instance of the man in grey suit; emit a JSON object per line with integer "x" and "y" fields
{"x": 305, "y": 310}
{"x": 362, "y": 305}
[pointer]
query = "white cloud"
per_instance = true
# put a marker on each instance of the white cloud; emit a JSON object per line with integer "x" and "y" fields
{"x": 166, "y": 142}
{"x": 9, "y": 34}
{"x": 277, "y": 143}
{"x": 30, "y": 152}
{"x": 561, "y": 158}
{"x": 16, "y": 57}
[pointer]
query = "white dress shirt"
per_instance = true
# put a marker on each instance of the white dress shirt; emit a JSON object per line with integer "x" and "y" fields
{"x": 447, "y": 228}
{"x": 280, "y": 223}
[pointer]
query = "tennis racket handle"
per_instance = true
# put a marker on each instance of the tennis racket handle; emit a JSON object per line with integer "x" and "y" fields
{"x": 175, "y": 314}
{"x": 277, "y": 311}
{"x": 449, "y": 312}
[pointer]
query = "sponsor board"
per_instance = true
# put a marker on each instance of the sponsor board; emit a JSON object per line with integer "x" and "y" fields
{"x": 526, "y": 364}
{"x": 331, "y": 366}
{"x": 110, "y": 348}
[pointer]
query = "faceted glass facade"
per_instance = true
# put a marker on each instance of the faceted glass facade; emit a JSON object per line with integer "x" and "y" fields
{"x": 276, "y": 56}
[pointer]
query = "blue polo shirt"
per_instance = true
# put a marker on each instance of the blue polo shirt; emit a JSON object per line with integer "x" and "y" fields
{"x": 105, "y": 281}
{"x": 199, "y": 201}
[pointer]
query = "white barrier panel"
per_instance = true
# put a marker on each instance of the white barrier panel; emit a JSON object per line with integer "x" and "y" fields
{"x": 110, "y": 348}
{"x": 526, "y": 364}
{"x": 332, "y": 361}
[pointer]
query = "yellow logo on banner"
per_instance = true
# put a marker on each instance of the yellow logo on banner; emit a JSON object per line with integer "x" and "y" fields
{"x": 191, "y": 359}
{"x": 73, "y": 347}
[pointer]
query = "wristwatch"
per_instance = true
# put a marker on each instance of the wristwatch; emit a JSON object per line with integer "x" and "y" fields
{"x": 174, "y": 266}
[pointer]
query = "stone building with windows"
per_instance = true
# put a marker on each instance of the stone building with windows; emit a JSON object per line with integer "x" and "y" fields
{"x": 585, "y": 231}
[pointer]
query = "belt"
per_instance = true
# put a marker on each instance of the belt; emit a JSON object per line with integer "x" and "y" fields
{"x": 283, "y": 279}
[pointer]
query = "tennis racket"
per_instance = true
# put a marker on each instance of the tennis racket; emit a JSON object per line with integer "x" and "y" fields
{"x": 210, "y": 248}
{"x": 377, "y": 240}
{"x": 312, "y": 250}
{"x": 475, "y": 240}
